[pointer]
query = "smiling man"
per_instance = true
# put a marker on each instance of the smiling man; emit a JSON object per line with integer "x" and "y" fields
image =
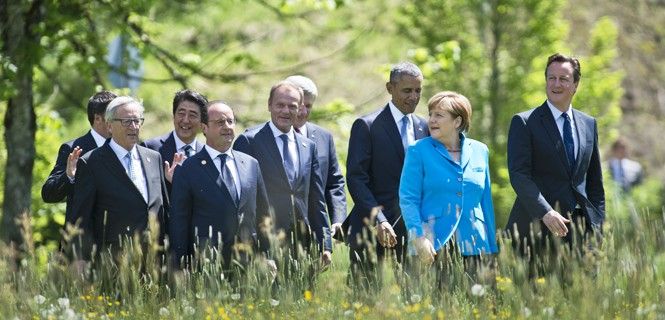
{"x": 177, "y": 145}
{"x": 118, "y": 185}
{"x": 555, "y": 168}
{"x": 374, "y": 165}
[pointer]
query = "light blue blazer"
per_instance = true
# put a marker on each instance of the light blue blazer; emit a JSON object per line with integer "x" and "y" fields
{"x": 440, "y": 197}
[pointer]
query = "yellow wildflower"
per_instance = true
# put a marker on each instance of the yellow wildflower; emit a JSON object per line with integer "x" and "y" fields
{"x": 308, "y": 295}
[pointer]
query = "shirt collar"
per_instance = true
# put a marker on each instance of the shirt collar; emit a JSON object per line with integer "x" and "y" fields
{"x": 99, "y": 139}
{"x": 214, "y": 153}
{"x": 397, "y": 114}
{"x": 179, "y": 144}
{"x": 120, "y": 151}
{"x": 276, "y": 132}
{"x": 557, "y": 113}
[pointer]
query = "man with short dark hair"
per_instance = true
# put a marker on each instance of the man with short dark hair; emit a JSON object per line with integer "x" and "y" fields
{"x": 555, "y": 169}
{"x": 60, "y": 183}
{"x": 377, "y": 147}
{"x": 188, "y": 114}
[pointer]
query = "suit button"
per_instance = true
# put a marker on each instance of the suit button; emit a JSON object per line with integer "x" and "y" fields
{"x": 459, "y": 179}
{"x": 459, "y": 194}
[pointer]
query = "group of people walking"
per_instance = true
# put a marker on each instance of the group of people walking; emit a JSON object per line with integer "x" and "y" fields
{"x": 420, "y": 187}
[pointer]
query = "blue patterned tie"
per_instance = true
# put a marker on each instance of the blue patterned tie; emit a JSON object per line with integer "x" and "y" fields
{"x": 289, "y": 167}
{"x": 404, "y": 133}
{"x": 568, "y": 141}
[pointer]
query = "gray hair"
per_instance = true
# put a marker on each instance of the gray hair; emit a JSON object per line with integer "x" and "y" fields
{"x": 306, "y": 84}
{"x": 404, "y": 68}
{"x": 119, "y": 102}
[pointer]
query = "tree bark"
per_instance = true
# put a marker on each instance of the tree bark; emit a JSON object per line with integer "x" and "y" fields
{"x": 18, "y": 45}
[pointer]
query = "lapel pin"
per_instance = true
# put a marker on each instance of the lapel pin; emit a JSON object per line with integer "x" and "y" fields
{"x": 203, "y": 162}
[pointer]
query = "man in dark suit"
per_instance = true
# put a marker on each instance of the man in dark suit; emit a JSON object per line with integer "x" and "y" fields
{"x": 374, "y": 165}
{"x": 554, "y": 167}
{"x": 177, "y": 145}
{"x": 60, "y": 183}
{"x": 333, "y": 180}
{"x": 219, "y": 198}
{"x": 290, "y": 169}
{"x": 120, "y": 185}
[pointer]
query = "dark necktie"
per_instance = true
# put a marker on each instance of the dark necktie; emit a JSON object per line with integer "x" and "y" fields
{"x": 188, "y": 150}
{"x": 404, "y": 133}
{"x": 289, "y": 167}
{"x": 568, "y": 141}
{"x": 227, "y": 177}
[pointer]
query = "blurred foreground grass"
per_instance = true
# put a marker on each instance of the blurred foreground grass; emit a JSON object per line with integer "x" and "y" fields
{"x": 630, "y": 284}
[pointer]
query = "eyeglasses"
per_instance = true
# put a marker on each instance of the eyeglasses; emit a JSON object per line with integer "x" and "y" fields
{"x": 126, "y": 122}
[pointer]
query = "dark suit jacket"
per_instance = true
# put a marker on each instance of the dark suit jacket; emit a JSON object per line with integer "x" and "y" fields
{"x": 108, "y": 204}
{"x": 57, "y": 186}
{"x": 331, "y": 175}
{"x": 303, "y": 202}
{"x": 374, "y": 166}
{"x": 165, "y": 145}
{"x": 203, "y": 211}
{"x": 539, "y": 172}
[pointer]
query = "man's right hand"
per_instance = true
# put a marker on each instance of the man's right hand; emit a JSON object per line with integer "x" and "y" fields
{"x": 72, "y": 159}
{"x": 386, "y": 235}
{"x": 556, "y": 223}
{"x": 425, "y": 250}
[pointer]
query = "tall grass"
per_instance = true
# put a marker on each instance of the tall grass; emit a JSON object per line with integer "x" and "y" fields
{"x": 629, "y": 284}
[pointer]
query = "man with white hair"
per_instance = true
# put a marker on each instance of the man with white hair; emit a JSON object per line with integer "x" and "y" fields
{"x": 120, "y": 184}
{"x": 333, "y": 180}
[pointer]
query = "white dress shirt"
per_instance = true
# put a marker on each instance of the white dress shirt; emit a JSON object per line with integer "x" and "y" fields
{"x": 230, "y": 163}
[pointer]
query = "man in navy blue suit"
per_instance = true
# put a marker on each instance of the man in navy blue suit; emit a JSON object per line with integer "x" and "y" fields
{"x": 373, "y": 168}
{"x": 333, "y": 180}
{"x": 290, "y": 168}
{"x": 177, "y": 145}
{"x": 60, "y": 183}
{"x": 554, "y": 167}
{"x": 219, "y": 197}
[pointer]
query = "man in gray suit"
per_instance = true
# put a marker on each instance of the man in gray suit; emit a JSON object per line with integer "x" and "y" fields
{"x": 120, "y": 185}
{"x": 554, "y": 167}
{"x": 333, "y": 180}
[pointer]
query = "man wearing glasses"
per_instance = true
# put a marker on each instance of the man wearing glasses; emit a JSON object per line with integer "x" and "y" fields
{"x": 119, "y": 186}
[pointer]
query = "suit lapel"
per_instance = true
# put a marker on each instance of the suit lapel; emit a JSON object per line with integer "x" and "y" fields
{"x": 149, "y": 172}
{"x": 303, "y": 157}
{"x": 205, "y": 161}
{"x": 116, "y": 168}
{"x": 168, "y": 147}
{"x": 387, "y": 121}
{"x": 420, "y": 127}
{"x": 243, "y": 175}
{"x": 548, "y": 122}
{"x": 582, "y": 132}
{"x": 266, "y": 142}
{"x": 466, "y": 152}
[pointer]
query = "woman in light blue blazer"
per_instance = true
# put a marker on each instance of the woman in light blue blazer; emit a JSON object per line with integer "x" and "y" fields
{"x": 444, "y": 192}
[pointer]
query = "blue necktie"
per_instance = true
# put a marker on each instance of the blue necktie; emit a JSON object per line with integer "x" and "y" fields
{"x": 404, "y": 133}
{"x": 289, "y": 167}
{"x": 227, "y": 177}
{"x": 568, "y": 141}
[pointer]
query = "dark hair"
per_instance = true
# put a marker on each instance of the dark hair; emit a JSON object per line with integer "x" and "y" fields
{"x": 192, "y": 96}
{"x": 560, "y": 58}
{"x": 97, "y": 104}
{"x": 404, "y": 68}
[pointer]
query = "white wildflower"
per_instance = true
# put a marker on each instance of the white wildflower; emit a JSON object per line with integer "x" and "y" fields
{"x": 274, "y": 302}
{"x": 548, "y": 311}
{"x": 477, "y": 290}
{"x": 415, "y": 298}
{"x": 163, "y": 312}
{"x": 235, "y": 296}
{"x": 348, "y": 313}
{"x": 189, "y": 311}
{"x": 39, "y": 299}
{"x": 526, "y": 312}
{"x": 63, "y": 303}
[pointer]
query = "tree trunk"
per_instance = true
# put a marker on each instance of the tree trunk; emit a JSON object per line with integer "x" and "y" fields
{"x": 18, "y": 43}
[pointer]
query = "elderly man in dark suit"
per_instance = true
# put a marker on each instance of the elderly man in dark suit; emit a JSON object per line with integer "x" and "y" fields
{"x": 177, "y": 145}
{"x": 377, "y": 147}
{"x": 290, "y": 169}
{"x": 219, "y": 198}
{"x": 333, "y": 180}
{"x": 60, "y": 183}
{"x": 120, "y": 185}
{"x": 554, "y": 167}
